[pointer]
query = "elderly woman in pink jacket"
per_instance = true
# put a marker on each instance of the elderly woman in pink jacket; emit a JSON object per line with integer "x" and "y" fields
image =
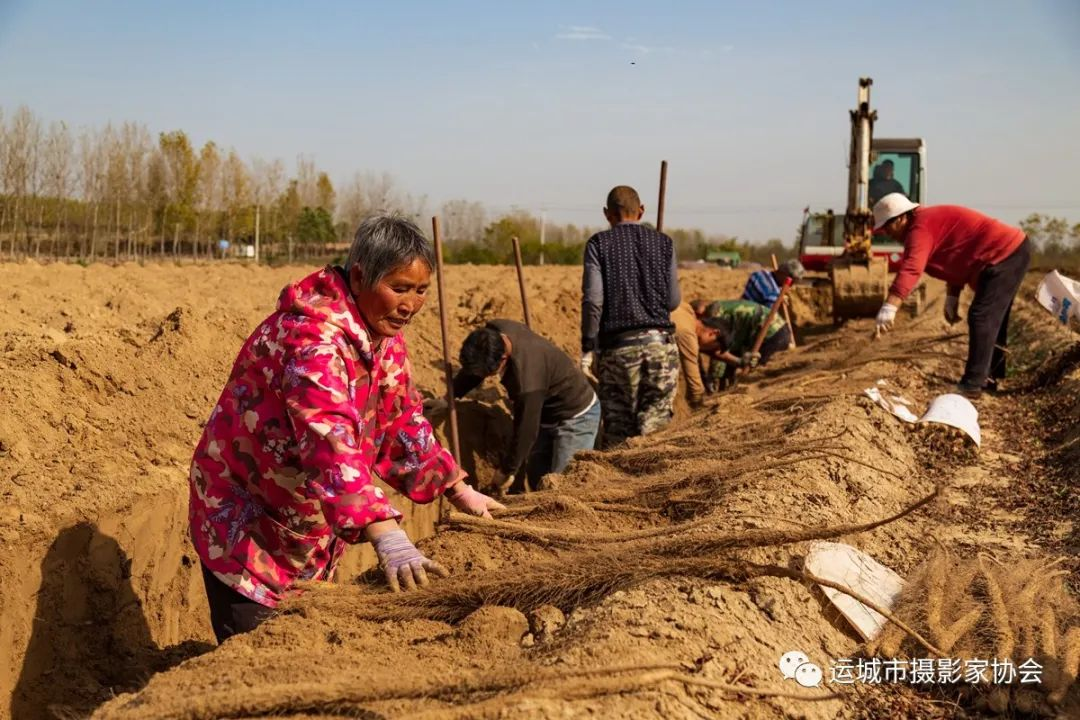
{"x": 319, "y": 404}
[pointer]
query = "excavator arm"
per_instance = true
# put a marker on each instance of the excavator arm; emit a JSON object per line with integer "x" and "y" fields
{"x": 860, "y": 281}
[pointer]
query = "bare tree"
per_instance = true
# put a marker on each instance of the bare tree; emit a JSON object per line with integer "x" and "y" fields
{"x": 138, "y": 146}
{"x": 20, "y": 163}
{"x": 92, "y": 164}
{"x": 209, "y": 191}
{"x": 268, "y": 182}
{"x": 236, "y": 193}
{"x": 381, "y": 193}
{"x": 352, "y": 203}
{"x": 307, "y": 181}
{"x": 463, "y": 221}
{"x": 118, "y": 184}
{"x": 5, "y": 191}
{"x": 156, "y": 195}
{"x": 416, "y": 207}
{"x": 59, "y": 155}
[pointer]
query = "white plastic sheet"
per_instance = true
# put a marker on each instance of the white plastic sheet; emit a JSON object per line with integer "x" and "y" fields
{"x": 860, "y": 573}
{"x": 1060, "y": 295}
{"x": 949, "y": 409}
{"x": 895, "y": 404}
{"x": 956, "y": 411}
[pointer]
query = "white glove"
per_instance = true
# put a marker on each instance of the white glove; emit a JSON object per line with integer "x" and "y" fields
{"x": 402, "y": 563}
{"x": 587, "y": 363}
{"x": 473, "y": 502}
{"x": 885, "y": 318}
{"x": 750, "y": 359}
{"x": 952, "y": 309}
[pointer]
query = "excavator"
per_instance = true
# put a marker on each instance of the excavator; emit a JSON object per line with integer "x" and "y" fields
{"x": 857, "y": 261}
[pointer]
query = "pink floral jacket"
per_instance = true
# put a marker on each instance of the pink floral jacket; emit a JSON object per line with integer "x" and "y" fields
{"x": 311, "y": 413}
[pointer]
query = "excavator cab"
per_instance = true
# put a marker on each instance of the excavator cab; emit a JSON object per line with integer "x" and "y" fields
{"x": 897, "y": 165}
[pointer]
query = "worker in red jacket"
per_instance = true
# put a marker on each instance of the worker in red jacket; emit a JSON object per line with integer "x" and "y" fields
{"x": 961, "y": 247}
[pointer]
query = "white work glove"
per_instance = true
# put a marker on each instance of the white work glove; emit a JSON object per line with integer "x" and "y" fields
{"x": 402, "y": 563}
{"x": 952, "y": 309}
{"x": 750, "y": 360}
{"x": 885, "y": 318}
{"x": 587, "y": 360}
{"x": 463, "y": 497}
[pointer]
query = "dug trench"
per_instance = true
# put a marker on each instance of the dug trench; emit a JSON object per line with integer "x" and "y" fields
{"x": 108, "y": 375}
{"x": 662, "y": 579}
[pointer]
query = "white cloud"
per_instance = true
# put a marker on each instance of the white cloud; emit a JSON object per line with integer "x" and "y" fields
{"x": 582, "y": 32}
{"x": 646, "y": 49}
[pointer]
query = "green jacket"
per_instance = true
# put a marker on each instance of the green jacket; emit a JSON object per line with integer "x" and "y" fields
{"x": 743, "y": 320}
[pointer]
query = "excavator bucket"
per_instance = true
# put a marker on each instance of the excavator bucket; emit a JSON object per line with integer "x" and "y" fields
{"x": 859, "y": 287}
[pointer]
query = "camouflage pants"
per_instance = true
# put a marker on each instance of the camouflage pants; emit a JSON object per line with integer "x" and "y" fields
{"x": 637, "y": 389}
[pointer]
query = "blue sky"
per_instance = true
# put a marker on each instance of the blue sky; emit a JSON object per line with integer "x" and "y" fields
{"x": 539, "y": 105}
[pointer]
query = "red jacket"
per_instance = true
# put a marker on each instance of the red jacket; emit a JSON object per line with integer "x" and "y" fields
{"x": 313, "y": 411}
{"x": 953, "y": 244}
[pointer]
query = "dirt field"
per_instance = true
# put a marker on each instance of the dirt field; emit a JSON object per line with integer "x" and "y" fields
{"x": 660, "y": 580}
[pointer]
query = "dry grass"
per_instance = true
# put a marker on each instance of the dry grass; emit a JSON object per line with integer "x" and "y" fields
{"x": 985, "y": 607}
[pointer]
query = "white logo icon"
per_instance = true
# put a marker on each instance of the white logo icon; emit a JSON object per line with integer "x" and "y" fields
{"x": 790, "y": 662}
{"x": 808, "y": 675}
{"x": 795, "y": 665}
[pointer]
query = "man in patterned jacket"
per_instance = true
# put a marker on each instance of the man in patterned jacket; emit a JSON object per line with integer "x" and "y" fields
{"x": 318, "y": 405}
{"x": 630, "y": 287}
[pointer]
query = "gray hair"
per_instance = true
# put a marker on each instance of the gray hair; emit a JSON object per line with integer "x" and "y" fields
{"x": 384, "y": 241}
{"x": 794, "y": 268}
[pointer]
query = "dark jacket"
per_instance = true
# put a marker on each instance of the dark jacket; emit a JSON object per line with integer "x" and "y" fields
{"x": 545, "y": 387}
{"x": 630, "y": 283}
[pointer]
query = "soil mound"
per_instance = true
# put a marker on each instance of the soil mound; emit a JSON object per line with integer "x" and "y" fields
{"x": 493, "y": 624}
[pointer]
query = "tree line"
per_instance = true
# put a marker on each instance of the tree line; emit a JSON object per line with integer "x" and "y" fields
{"x": 117, "y": 192}
{"x": 1057, "y": 243}
{"x": 120, "y": 193}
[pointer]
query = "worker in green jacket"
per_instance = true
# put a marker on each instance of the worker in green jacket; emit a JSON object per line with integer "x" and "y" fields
{"x": 737, "y": 324}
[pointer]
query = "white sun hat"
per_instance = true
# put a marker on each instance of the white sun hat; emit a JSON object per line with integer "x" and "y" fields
{"x": 890, "y": 206}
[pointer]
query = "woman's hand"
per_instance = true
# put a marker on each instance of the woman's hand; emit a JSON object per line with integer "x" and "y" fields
{"x": 467, "y": 500}
{"x": 403, "y": 564}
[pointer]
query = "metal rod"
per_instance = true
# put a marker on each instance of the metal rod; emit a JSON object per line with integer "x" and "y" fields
{"x": 543, "y": 226}
{"x": 521, "y": 281}
{"x": 440, "y": 279}
{"x": 663, "y": 193}
{"x": 787, "y": 315}
{"x": 257, "y": 209}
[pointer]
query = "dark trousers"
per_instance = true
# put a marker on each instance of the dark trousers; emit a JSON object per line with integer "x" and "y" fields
{"x": 779, "y": 342}
{"x": 230, "y": 612}
{"x": 988, "y": 317}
